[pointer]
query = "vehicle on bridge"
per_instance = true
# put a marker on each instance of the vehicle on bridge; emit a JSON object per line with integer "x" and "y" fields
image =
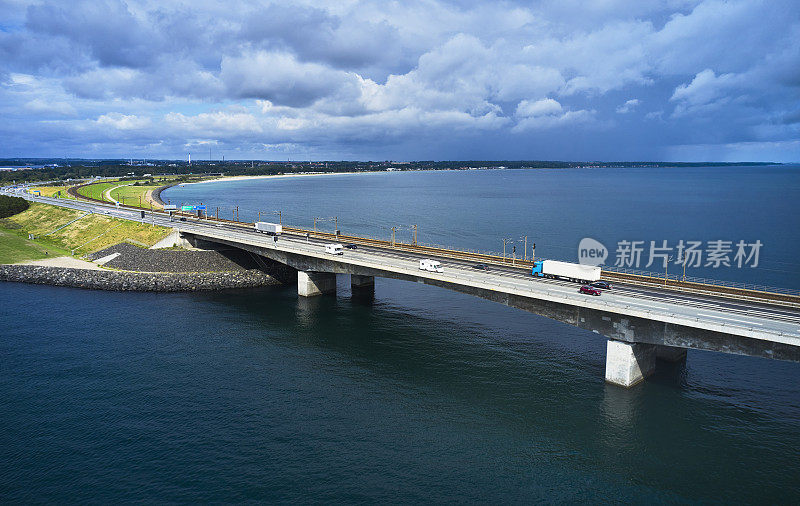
{"x": 268, "y": 228}
{"x": 589, "y": 290}
{"x": 603, "y": 285}
{"x": 430, "y": 265}
{"x": 334, "y": 249}
{"x": 565, "y": 270}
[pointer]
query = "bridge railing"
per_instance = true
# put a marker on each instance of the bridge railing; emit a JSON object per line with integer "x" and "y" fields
{"x": 703, "y": 281}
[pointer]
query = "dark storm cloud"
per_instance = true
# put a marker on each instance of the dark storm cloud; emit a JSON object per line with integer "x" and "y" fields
{"x": 315, "y": 35}
{"x": 113, "y": 36}
{"x": 684, "y": 78}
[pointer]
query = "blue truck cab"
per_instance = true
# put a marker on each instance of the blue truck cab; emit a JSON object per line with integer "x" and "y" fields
{"x": 537, "y": 269}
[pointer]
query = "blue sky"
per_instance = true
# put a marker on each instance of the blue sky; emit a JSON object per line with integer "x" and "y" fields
{"x": 697, "y": 80}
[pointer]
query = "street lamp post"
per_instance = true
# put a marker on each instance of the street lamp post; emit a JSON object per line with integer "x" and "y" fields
{"x": 334, "y": 219}
{"x": 666, "y": 268}
{"x": 525, "y": 249}
{"x": 683, "y": 261}
{"x": 684, "y": 269}
{"x": 506, "y": 241}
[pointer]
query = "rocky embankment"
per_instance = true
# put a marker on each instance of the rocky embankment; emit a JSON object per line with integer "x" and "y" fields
{"x": 129, "y": 257}
{"x": 131, "y": 268}
{"x": 134, "y": 281}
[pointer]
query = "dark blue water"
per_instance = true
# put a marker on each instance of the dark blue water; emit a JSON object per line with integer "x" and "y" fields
{"x": 554, "y": 208}
{"x": 418, "y": 395}
{"x": 421, "y": 395}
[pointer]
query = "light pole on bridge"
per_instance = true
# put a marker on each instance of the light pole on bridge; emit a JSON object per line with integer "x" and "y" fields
{"x": 506, "y": 240}
{"x": 335, "y": 220}
{"x": 666, "y": 268}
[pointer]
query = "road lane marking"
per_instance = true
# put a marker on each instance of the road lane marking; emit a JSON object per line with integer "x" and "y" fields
{"x": 731, "y": 319}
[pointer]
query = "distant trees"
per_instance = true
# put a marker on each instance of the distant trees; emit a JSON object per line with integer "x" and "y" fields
{"x": 114, "y": 168}
{"x": 9, "y": 206}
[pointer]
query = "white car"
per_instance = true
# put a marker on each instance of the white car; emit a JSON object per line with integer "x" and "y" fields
{"x": 334, "y": 249}
{"x": 430, "y": 265}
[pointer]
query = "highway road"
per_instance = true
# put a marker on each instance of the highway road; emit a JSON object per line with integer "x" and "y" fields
{"x": 751, "y": 319}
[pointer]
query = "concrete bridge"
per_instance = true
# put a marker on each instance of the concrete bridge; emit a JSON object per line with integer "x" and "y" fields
{"x": 641, "y": 324}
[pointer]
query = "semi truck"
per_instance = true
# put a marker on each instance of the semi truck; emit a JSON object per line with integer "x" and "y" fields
{"x": 269, "y": 228}
{"x": 565, "y": 270}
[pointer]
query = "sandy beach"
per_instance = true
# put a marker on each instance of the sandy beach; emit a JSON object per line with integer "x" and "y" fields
{"x": 280, "y": 176}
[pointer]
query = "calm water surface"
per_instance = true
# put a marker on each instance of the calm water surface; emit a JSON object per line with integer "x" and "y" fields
{"x": 419, "y": 394}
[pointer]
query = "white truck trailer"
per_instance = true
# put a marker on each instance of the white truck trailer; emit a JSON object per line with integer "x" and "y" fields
{"x": 269, "y": 228}
{"x": 565, "y": 270}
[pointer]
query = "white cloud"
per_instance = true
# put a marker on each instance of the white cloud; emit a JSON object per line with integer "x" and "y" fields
{"x": 123, "y": 121}
{"x": 548, "y": 121}
{"x": 628, "y": 106}
{"x": 547, "y": 113}
{"x": 706, "y": 90}
{"x": 43, "y": 106}
{"x": 214, "y": 123}
{"x": 527, "y": 109}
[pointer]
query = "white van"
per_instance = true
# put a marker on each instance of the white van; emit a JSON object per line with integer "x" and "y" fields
{"x": 430, "y": 265}
{"x": 334, "y": 249}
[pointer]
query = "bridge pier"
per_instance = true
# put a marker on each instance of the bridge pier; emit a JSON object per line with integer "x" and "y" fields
{"x": 629, "y": 363}
{"x": 362, "y": 283}
{"x": 310, "y": 284}
{"x": 670, "y": 353}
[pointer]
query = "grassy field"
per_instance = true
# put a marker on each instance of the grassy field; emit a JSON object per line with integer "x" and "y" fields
{"x": 125, "y": 192}
{"x": 89, "y": 233}
{"x": 133, "y": 195}
{"x": 96, "y": 190}
{"x": 53, "y": 191}
{"x": 15, "y": 248}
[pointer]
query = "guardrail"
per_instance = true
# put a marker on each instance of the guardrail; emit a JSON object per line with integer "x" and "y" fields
{"x": 703, "y": 281}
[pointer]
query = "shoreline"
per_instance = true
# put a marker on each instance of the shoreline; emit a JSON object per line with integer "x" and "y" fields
{"x": 282, "y": 176}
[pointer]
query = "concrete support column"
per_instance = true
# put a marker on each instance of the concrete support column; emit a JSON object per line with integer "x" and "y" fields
{"x": 310, "y": 284}
{"x": 362, "y": 282}
{"x": 629, "y": 363}
{"x": 670, "y": 353}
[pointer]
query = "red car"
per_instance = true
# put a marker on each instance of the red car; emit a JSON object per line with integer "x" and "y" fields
{"x": 589, "y": 290}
